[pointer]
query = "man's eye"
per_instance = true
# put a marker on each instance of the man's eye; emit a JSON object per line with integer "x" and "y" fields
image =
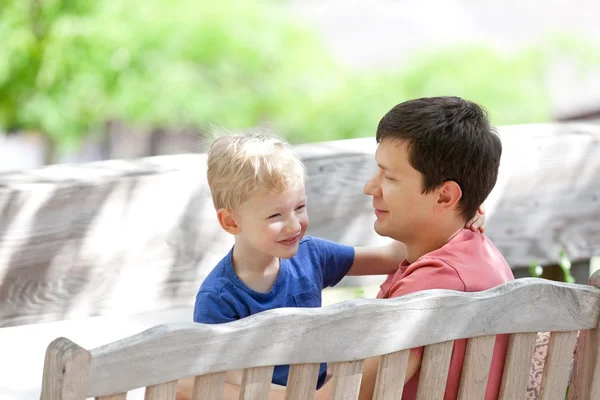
{"x": 300, "y": 207}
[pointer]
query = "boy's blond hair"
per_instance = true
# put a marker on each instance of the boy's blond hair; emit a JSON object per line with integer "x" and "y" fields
{"x": 240, "y": 165}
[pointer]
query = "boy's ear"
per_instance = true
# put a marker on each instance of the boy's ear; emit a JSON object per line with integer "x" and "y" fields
{"x": 449, "y": 195}
{"x": 225, "y": 217}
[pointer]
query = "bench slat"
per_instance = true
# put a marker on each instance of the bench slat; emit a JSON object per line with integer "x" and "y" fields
{"x": 390, "y": 376}
{"x": 557, "y": 365}
{"x": 476, "y": 367}
{"x": 209, "y": 386}
{"x": 434, "y": 370}
{"x": 346, "y": 379}
{"x": 66, "y": 371}
{"x": 256, "y": 383}
{"x": 120, "y": 396}
{"x": 302, "y": 381}
{"x": 517, "y": 366}
{"x": 163, "y": 391}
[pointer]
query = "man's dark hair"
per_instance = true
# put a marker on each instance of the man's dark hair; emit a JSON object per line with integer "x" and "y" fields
{"x": 448, "y": 139}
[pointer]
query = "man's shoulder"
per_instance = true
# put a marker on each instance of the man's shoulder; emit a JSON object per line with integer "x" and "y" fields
{"x": 476, "y": 260}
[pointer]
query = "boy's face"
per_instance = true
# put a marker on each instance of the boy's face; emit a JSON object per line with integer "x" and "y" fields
{"x": 401, "y": 208}
{"x": 273, "y": 223}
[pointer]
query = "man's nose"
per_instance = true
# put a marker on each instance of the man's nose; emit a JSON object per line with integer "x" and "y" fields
{"x": 372, "y": 188}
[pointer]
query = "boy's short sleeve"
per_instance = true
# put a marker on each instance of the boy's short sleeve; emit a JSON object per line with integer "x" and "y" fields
{"x": 335, "y": 258}
{"x": 213, "y": 308}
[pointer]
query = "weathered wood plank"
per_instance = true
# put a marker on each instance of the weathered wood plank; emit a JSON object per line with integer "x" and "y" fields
{"x": 434, "y": 370}
{"x": 209, "y": 386}
{"x": 579, "y": 388}
{"x": 66, "y": 371}
{"x": 557, "y": 367}
{"x": 527, "y": 305}
{"x": 476, "y": 368}
{"x": 302, "y": 381}
{"x": 120, "y": 396}
{"x": 162, "y": 391}
{"x": 345, "y": 383}
{"x": 76, "y": 240}
{"x": 256, "y": 383}
{"x": 389, "y": 384}
{"x": 550, "y": 182}
{"x": 585, "y": 380}
{"x": 517, "y": 365}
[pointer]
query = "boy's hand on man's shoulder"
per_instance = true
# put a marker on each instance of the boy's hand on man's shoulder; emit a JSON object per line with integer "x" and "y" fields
{"x": 478, "y": 221}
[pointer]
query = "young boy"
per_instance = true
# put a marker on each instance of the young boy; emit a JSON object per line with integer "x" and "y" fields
{"x": 257, "y": 186}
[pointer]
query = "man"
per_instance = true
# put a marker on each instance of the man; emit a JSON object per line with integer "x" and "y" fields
{"x": 438, "y": 160}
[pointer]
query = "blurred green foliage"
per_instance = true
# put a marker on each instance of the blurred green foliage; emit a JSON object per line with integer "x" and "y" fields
{"x": 67, "y": 66}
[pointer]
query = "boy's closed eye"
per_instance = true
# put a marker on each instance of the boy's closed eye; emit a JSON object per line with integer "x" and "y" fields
{"x": 300, "y": 207}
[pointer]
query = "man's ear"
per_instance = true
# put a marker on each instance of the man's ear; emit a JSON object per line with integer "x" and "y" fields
{"x": 227, "y": 222}
{"x": 449, "y": 195}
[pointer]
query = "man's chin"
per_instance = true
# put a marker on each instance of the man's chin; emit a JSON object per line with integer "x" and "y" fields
{"x": 383, "y": 231}
{"x": 379, "y": 229}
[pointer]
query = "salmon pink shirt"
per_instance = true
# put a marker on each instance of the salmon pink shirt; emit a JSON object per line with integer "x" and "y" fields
{"x": 469, "y": 262}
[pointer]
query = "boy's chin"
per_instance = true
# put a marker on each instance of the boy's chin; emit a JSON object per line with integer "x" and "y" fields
{"x": 287, "y": 253}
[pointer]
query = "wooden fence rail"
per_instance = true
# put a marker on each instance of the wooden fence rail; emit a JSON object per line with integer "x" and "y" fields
{"x": 124, "y": 237}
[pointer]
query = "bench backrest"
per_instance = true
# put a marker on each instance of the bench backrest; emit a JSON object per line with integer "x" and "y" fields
{"x": 345, "y": 334}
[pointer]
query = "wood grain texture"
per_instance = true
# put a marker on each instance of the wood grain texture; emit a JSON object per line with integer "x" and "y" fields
{"x": 517, "y": 366}
{"x": 389, "y": 384}
{"x": 162, "y": 391}
{"x": 302, "y": 381}
{"x": 169, "y": 352}
{"x": 585, "y": 381}
{"x": 256, "y": 383}
{"x": 557, "y": 366}
{"x": 75, "y": 241}
{"x": 208, "y": 386}
{"x": 580, "y": 386}
{"x": 595, "y": 350}
{"x": 66, "y": 371}
{"x": 434, "y": 370}
{"x": 345, "y": 383}
{"x": 120, "y": 396}
{"x": 476, "y": 367}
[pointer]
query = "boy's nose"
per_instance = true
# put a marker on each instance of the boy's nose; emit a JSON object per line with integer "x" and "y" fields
{"x": 292, "y": 225}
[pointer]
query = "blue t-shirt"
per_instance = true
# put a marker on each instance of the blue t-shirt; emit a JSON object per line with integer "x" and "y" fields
{"x": 319, "y": 263}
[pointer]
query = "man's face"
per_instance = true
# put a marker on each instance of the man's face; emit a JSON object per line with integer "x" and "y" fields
{"x": 402, "y": 210}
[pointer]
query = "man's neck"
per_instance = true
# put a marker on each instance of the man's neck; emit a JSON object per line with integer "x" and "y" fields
{"x": 430, "y": 240}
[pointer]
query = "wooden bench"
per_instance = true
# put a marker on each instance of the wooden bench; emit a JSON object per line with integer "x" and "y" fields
{"x": 344, "y": 334}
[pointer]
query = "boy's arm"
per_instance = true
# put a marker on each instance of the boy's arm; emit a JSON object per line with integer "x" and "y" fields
{"x": 378, "y": 260}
